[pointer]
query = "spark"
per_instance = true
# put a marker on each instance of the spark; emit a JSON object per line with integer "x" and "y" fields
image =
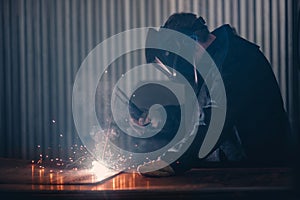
{"x": 99, "y": 170}
{"x": 195, "y": 73}
{"x": 164, "y": 67}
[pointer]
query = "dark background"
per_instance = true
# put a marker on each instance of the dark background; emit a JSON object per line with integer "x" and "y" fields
{"x": 42, "y": 44}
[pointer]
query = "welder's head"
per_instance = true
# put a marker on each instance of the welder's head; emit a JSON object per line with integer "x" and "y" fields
{"x": 186, "y": 23}
{"x": 189, "y": 24}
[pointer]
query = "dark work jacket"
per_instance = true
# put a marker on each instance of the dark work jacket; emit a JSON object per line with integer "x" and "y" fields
{"x": 256, "y": 128}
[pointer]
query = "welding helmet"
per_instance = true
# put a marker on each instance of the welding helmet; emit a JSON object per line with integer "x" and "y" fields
{"x": 197, "y": 30}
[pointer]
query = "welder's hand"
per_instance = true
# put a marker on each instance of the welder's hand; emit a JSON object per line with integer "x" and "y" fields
{"x": 144, "y": 121}
{"x": 156, "y": 168}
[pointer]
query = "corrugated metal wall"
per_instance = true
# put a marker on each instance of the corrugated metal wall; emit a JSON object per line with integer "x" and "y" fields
{"x": 43, "y": 43}
{"x": 294, "y": 77}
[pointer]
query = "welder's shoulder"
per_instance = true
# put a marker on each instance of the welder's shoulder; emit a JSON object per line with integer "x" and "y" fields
{"x": 240, "y": 40}
{"x": 235, "y": 41}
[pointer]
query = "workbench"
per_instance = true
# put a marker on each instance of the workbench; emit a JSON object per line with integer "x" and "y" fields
{"x": 21, "y": 179}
